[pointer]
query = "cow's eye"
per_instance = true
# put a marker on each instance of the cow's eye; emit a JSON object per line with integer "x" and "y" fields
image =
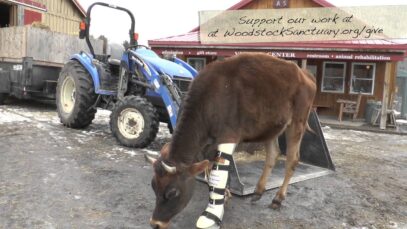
{"x": 171, "y": 194}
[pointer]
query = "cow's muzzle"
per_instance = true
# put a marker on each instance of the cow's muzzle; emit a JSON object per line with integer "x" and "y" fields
{"x": 158, "y": 224}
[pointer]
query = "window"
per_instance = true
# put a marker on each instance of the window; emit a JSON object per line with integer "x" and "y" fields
{"x": 363, "y": 76}
{"x": 313, "y": 69}
{"x": 197, "y": 63}
{"x": 333, "y": 77}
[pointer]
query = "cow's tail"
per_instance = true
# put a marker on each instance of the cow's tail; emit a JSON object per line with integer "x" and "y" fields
{"x": 309, "y": 129}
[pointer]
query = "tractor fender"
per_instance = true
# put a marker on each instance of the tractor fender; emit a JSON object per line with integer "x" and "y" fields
{"x": 86, "y": 61}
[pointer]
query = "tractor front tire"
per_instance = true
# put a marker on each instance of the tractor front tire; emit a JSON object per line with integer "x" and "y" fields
{"x": 134, "y": 122}
{"x": 75, "y": 96}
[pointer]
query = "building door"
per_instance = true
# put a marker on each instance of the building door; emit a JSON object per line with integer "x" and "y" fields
{"x": 8, "y": 15}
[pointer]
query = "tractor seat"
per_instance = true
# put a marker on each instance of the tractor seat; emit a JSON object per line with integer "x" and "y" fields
{"x": 115, "y": 51}
{"x": 113, "y": 61}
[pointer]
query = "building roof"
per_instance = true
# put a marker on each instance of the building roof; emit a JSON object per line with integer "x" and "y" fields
{"x": 80, "y": 8}
{"x": 191, "y": 39}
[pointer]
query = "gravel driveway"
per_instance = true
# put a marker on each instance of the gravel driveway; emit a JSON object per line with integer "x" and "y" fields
{"x": 55, "y": 177}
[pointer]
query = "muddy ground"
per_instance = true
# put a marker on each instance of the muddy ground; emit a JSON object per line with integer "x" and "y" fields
{"x": 55, "y": 177}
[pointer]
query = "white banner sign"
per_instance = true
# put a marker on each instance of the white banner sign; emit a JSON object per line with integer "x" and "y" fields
{"x": 303, "y": 24}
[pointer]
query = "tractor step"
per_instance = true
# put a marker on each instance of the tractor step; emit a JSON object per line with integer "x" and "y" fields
{"x": 315, "y": 162}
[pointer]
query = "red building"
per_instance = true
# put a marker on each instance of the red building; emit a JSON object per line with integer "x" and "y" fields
{"x": 372, "y": 63}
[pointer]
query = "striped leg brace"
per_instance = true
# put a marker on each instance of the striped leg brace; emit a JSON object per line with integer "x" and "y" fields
{"x": 213, "y": 214}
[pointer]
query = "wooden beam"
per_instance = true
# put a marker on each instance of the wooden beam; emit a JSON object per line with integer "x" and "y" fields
{"x": 304, "y": 63}
{"x": 386, "y": 92}
{"x": 404, "y": 98}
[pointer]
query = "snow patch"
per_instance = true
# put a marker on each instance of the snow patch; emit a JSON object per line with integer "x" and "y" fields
{"x": 151, "y": 152}
{"x": 401, "y": 121}
{"x": 8, "y": 117}
{"x": 116, "y": 148}
{"x": 122, "y": 150}
{"x": 131, "y": 153}
{"x": 110, "y": 156}
{"x": 102, "y": 116}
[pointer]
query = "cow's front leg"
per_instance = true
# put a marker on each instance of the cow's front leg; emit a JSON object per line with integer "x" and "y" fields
{"x": 228, "y": 194}
{"x": 213, "y": 214}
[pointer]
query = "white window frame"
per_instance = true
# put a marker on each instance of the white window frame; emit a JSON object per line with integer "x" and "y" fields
{"x": 343, "y": 77}
{"x": 313, "y": 69}
{"x": 197, "y": 58}
{"x": 373, "y": 78}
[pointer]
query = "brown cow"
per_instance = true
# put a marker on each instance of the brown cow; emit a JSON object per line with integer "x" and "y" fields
{"x": 248, "y": 97}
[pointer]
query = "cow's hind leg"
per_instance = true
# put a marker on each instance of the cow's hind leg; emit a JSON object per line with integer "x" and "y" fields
{"x": 294, "y": 133}
{"x": 272, "y": 153}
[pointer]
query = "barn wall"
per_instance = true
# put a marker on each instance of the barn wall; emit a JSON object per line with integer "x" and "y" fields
{"x": 41, "y": 44}
{"x": 62, "y": 16}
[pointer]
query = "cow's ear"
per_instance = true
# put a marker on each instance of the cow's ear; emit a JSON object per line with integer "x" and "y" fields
{"x": 165, "y": 150}
{"x": 198, "y": 167}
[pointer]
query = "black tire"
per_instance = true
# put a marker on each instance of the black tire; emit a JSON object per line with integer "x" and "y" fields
{"x": 3, "y": 97}
{"x": 79, "y": 113}
{"x": 141, "y": 135}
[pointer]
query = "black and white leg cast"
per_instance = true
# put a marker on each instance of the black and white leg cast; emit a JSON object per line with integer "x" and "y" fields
{"x": 211, "y": 218}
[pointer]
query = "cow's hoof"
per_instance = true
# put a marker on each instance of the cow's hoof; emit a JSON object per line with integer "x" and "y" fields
{"x": 256, "y": 197}
{"x": 275, "y": 204}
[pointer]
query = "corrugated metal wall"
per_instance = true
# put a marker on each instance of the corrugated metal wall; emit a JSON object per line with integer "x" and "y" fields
{"x": 62, "y": 16}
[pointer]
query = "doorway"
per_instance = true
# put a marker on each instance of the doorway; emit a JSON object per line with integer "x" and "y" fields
{"x": 5, "y": 10}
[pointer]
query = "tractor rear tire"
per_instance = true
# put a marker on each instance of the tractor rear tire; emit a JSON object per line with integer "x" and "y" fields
{"x": 134, "y": 122}
{"x": 75, "y": 96}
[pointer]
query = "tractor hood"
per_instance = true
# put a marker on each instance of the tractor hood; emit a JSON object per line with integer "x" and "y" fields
{"x": 162, "y": 65}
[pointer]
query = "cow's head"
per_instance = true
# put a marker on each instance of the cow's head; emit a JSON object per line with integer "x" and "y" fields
{"x": 173, "y": 185}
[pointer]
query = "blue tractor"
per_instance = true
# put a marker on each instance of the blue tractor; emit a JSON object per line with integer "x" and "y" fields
{"x": 141, "y": 89}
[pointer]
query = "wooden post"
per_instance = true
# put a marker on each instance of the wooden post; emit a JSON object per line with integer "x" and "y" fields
{"x": 20, "y": 15}
{"x": 404, "y": 98}
{"x": 386, "y": 88}
{"x": 304, "y": 63}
